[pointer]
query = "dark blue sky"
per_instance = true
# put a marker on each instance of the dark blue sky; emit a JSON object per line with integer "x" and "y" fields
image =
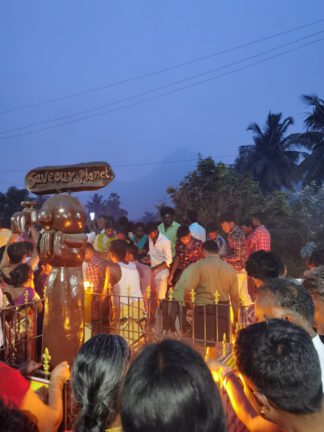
{"x": 54, "y": 48}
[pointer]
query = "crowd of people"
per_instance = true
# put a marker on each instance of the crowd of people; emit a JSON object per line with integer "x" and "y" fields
{"x": 232, "y": 276}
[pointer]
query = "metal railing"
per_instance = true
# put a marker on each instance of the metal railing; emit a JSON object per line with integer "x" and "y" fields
{"x": 139, "y": 320}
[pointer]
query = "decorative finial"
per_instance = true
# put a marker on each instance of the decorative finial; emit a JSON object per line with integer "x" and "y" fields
{"x": 224, "y": 345}
{"x": 46, "y": 362}
{"x": 193, "y": 295}
{"x": 170, "y": 294}
{"x": 216, "y": 297}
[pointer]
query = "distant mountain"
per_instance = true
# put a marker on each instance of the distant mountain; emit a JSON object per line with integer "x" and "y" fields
{"x": 143, "y": 193}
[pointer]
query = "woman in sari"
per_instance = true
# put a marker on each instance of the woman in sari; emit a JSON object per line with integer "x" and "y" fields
{"x": 21, "y": 293}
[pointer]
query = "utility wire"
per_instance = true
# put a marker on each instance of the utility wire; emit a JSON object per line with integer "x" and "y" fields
{"x": 156, "y": 89}
{"x": 136, "y": 164}
{"x": 159, "y": 71}
{"x": 163, "y": 94}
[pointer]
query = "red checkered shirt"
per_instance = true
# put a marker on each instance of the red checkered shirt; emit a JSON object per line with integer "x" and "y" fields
{"x": 96, "y": 272}
{"x": 236, "y": 251}
{"x": 261, "y": 240}
{"x": 188, "y": 254}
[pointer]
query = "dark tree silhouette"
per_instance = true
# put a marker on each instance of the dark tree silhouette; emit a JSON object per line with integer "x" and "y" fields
{"x": 272, "y": 158}
{"x": 312, "y": 167}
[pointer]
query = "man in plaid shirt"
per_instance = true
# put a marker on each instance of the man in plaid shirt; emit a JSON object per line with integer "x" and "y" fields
{"x": 261, "y": 239}
{"x": 95, "y": 273}
{"x": 236, "y": 254}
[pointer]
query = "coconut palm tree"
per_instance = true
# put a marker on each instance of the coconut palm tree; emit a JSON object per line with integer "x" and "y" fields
{"x": 312, "y": 167}
{"x": 272, "y": 158}
{"x": 96, "y": 204}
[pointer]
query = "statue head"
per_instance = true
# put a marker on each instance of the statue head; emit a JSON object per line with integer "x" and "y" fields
{"x": 63, "y": 213}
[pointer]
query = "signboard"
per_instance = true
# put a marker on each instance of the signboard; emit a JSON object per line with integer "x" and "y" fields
{"x": 69, "y": 178}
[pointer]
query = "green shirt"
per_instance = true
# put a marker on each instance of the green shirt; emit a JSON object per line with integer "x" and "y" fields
{"x": 170, "y": 233}
{"x": 205, "y": 277}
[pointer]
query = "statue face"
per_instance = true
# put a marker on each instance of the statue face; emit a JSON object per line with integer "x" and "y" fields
{"x": 63, "y": 213}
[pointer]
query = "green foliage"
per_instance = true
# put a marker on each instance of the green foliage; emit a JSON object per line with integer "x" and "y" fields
{"x": 212, "y": 189}
{"x": 10, "y": 202}
{"x": 110, "y": 207}
{"x": 273, "y": 158}
{"x": 312, "y": 167}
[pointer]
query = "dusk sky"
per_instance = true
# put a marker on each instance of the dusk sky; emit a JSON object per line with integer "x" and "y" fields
{"x": 54, "y": 49}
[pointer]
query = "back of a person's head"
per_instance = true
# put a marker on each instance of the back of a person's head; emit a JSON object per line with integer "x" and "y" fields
{"x": 227, "y": 217}
{"x": 109, "y": 222}
{"x": 314, "y": 282}
{"x": 15, "y": 420}
{"x": 317, "y": 258}
{"x": 16, "y": 252}
{"x": 168, "y": 388}
{"x": 264, "y": 265}
{"x": 151, "y": 227}
{"x": 132, "y": 249}
{"x": 183, "y": 231}
{"x": 123, "y": 221}
{"x": 98, "y": 371}
{"x": 192, "y": 216}
{"x": 212, "y": 227}
{"x": 259, "y": 216}
{"x": 167, "y": 211}
{"x": 279, "y": 358}
{"x": 20, "y": 275}
{"x": 122, "y": 229}
{"x": 140, "y": 225}
{"x": 210, "y": 246}
{"x": 118, "y": 248}
{"x": 290, "y": 296}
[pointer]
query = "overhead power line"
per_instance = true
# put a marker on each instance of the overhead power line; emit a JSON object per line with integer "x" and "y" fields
{"x": 135, "y": 164}
{"x": 163, "y": 70}
{"x": 165, "y": 93}
{"x": 156, "y": 89}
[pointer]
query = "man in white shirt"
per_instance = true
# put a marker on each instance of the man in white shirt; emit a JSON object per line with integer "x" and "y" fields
{"x": 161, "y": 258}
{"x": 285, "y": 299}
{"x": 196, "y": 229}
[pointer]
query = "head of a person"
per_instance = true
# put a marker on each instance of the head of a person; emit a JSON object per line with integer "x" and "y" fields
{"x": 316, "y": 259}
{"x": 122, "y": 232}
{"x": 89, "y": 252}
{"x": 184, "y": 235}
{"x": 123, "y": 221}
{"x": 29, "y": 248}
{"x": 246, "y": 227}
{"x": 257, "y": 220}
{"x": 44, "y": 266}
{"x": 102, "y": 221}
{"x": 139, "y": 230}
{"x": 192, "y": 215}
{"x": 280, "y": 368}
{"x": 285, "y": 299}
{"x": 262, "y": 265}
{"x": 152, "y": 230}
{"x": 109, "y": 226}
{"x": 167, "y": 215}
{"x": 210, "y": 247}
{"x": 212, "y": 231}
{"x": 98, "y": 370}
{"x": 17, "y": 252}
{"x": 117, "y": 251}
{"x": 227, "y": 222}
{"x": 314, "y": 283}
{"x": 22, "y": 275}
{"x": 177, "y": 392}
{"x": 132, "y": 253}
{"x": 14, "y": 420}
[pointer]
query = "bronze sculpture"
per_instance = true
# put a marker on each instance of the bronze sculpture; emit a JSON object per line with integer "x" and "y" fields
{"x": 62, "y": 244}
